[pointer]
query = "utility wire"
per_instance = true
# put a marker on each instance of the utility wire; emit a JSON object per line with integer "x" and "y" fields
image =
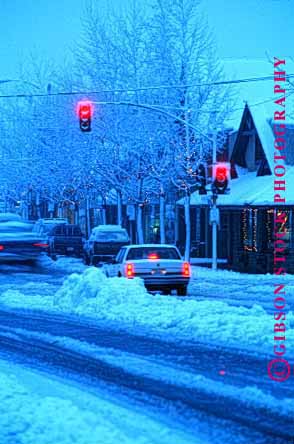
{"x": 147, "y": 88}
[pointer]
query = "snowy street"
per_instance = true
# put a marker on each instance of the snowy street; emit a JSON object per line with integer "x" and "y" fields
{"x": 48, "y": 324}
{"x": 146, "y": 222}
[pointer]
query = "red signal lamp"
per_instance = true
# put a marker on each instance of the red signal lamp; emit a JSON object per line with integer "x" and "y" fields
{"x": 221, "y": 173}
{"x": 85, "y": 111}
{"x": 221, "y": 178}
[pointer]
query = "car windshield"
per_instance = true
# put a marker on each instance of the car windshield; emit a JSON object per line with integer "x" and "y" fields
{"x": 111, "y": 236}
{"x": 153, "y": 253}
{"x": 48, "y": 227}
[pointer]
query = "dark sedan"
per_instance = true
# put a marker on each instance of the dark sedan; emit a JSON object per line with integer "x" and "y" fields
{"x": 17, "y": 242}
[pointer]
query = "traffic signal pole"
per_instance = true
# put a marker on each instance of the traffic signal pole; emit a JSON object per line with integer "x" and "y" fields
{"x": 213, "y": 211}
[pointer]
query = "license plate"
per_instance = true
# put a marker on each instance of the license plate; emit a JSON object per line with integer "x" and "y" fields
{"x": 159, "y": 271}
{"x": 69, "y": 249}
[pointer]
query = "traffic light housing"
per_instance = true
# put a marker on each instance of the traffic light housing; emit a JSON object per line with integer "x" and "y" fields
{"x": 85, "y": 112}
{"x": 220, "y": 177}
{"x": 201, "y": 179}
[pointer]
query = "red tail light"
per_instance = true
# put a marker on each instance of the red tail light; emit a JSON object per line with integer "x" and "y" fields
{"x": 186, "y": 270}
{"x": 40, "y": 244}
{"x": 130, "y": 270}
{"x": 1, "y": 247}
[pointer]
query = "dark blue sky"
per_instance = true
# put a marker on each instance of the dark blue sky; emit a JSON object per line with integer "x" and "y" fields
{"x": 242, "y": 28}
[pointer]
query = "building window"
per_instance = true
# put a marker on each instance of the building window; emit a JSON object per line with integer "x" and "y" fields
{"x": 288, "y": 225}
{"x": 249, "y": 229}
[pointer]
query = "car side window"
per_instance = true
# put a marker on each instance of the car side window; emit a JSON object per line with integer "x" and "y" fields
{"x": 120, "y": 255}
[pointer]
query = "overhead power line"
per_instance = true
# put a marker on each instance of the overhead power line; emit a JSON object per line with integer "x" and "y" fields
{"x": 146, "y": 88}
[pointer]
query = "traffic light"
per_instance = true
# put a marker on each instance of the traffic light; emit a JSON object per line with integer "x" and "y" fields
{"x": 201, "y": 179}
{"x": 220, "y": 178}
{"x": 85, "y": 112}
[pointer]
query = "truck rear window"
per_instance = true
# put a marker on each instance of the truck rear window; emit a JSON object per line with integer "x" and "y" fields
{"x": 149, "y": 253}
{"x": 111, "y": 236}
{"x": 67, "y": 230}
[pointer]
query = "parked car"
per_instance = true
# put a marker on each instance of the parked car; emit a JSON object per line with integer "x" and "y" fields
{"x": 104, "y": 243}
{"x": 17, "y": 241}
{"x": 160, "y": 266}
{"x": 65, "y": 239}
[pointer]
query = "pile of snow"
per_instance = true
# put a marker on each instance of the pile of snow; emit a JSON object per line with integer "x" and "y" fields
{"x": 63, "y": 263}
{"x": 125, "y": 303}
{"x": 128, "y": 304}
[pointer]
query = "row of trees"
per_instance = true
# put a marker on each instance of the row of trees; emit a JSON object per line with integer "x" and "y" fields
{"x": 153, "y": 71}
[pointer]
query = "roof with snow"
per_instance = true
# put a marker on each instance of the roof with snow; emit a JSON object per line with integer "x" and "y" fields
{"x": 250, "y": 189}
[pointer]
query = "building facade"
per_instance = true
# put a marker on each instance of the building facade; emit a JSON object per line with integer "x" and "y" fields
{"x": 247, "y": 213}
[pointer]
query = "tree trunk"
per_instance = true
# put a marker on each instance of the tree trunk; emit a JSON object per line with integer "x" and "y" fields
{"x": 162, "y": 218}
{"x": 88, "y": 225}
{"x": 140, "y": 234}
{"x": 188, "y": 226}
{"x": 119, "y": 208}
{"x": 104, "y": 211}
{"x": 38, "y": 205}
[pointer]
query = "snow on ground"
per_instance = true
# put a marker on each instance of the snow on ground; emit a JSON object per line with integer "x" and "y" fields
{"x": 126, "y": 303}
{"x": 63, "y": 263}
{"x": 170, "y": 374}
{"x": 240, "y": 288}
{"x": 35, "y": 410}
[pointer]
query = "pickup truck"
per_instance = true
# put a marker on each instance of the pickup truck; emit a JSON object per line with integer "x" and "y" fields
{"x": 65, "y": 239}
{"x": 104, "y": 243}
{"x": 159, "y": 265}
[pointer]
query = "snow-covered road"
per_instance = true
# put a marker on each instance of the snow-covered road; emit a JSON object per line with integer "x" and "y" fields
{"x": 245, "y": 412}
{"x": 199, "y": 352}
{"x": 37, "y": 407}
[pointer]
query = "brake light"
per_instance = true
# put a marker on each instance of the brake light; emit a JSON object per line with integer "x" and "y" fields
{"x": 130, "y": 270}
{"x": 153, "y": 256}
{"x": 40, "y": 244}
{"x": 1, "y": 247}
{"x": 186, "y": 270}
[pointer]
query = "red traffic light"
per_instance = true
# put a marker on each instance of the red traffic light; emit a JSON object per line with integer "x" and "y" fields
{"x": 85, "y": 109}
{"x": 221, "y": 173}
{"x": 221, "y": 178}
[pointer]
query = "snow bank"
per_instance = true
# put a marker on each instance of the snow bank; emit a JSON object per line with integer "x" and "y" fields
{"x": 128, "y": 304}
{"x": 63, "y": 263}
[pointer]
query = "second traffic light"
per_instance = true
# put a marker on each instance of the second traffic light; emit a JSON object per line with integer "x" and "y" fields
{"x": 85, "y": 112}
{"x": 220, "y": 178}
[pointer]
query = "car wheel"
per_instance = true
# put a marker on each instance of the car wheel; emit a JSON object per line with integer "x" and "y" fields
{"x": 166, "y": 291}
{"x": 53, "y": 257}
{"x": 182, "y": 291}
